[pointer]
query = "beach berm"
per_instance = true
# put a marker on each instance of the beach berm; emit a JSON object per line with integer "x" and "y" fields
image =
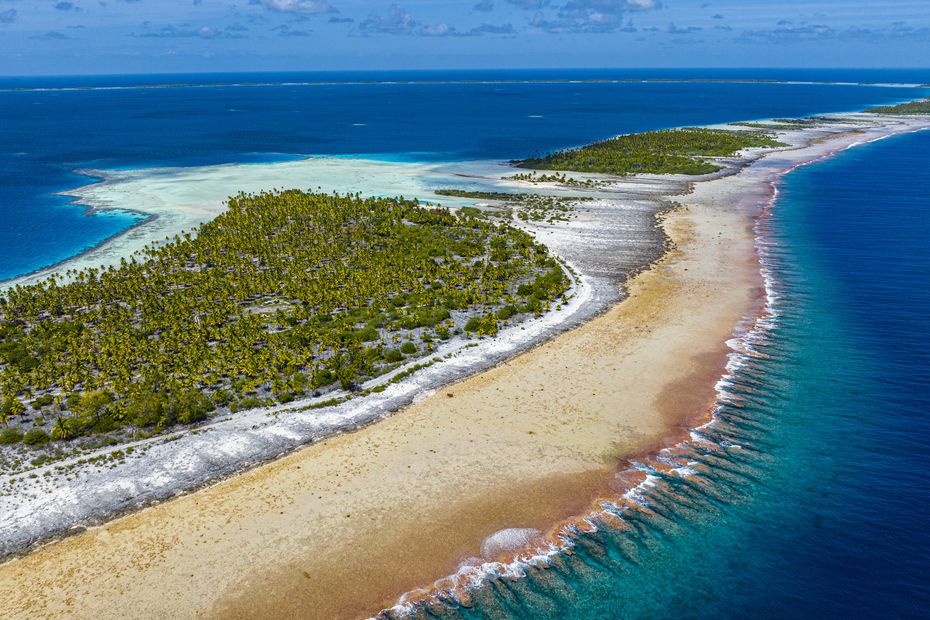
{"x": 343, "y": 527}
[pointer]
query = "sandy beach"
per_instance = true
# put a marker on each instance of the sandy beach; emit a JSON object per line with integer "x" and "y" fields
{"x": 344, "y": 527}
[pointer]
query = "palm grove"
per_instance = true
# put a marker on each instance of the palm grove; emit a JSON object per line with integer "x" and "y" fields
{"x": 288, "y": 293}
{"x": 283, "y": 295}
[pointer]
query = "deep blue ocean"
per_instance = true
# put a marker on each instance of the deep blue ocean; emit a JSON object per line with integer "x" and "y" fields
{"x": 50, "y": 127}
{"x": 824, "y": 508}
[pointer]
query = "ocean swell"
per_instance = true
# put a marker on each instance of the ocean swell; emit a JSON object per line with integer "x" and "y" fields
{"x": 673, "y": 478}
{"x": 714, "y": 465}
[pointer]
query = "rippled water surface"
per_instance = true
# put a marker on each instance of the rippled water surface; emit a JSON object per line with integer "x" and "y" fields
{"x": 812, "y": 497}
{"x": 54, "y": 126}
{"x": 822, "y": 509}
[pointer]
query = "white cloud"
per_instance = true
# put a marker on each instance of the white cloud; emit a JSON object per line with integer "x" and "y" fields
{"x": 592, "y": 16}
{"x": 297, "y": 6}
{"x": 400, "y": 22}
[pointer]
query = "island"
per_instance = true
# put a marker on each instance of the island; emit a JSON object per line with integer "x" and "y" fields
{"x": 630, "y": 274}
{"x": 908, "y": 108}
{"x": 285, "y": 294}
{"x": 672, "y": 151}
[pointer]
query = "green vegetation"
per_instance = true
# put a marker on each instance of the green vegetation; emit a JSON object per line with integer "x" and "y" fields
{"x": 782, "y": 124}
{"x": 11, "y": 434}
{"x": 529, "y": 207}
{"x": 482, "y": 325}
{"x": 800, "y": 122}
{"x": 43, "y": 401}
{"x": 548, "y": 208}
{"x": 904, "y": 109}
{"x": 469, "y": 212}
{"x": 560, "y": 179}
{"x": 463, "y": 193}
{"x": 778, "y": 124}
{"x": 672, "y": 151}
{"x": 392, "y": 355}
{"x": 36, "y": 437}
{"x": 283, "y": 295}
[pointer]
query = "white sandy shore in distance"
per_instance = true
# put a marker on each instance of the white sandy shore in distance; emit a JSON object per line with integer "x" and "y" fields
{"x": 343, "y": 527}
{"x": 180, "y": 199}
{"x": 54, "y": 504}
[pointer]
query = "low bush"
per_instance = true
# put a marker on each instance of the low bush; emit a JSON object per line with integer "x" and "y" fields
{"x": 482, "y": 326}
{"x": 43, "y": 401}
{"x": 506, "y": 312}
{"x": 36, "y": 437}
{"x": 11, "y": 435}
{"x": 249, "y": 402}
{"x": 393, "y": 355}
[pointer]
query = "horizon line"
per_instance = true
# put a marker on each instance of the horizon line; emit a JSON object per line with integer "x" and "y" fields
{"x": 464, "y": 70}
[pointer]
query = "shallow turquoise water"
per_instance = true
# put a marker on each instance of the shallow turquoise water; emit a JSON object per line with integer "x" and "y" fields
{"x": 49, "y": 131}
{"x": 820, "y": 511}
{"x": 823, "y": 509}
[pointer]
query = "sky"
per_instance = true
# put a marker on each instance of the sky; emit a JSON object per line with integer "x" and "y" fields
{"x": 59, "y": 37}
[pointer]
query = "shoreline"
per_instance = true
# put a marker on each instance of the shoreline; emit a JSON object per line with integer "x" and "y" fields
{"x": 154, "y": 224}
{"x": 646, "y": 469}
{"x": 167, "y": 211}
{"x": 60, "y": 498}
{"x": 699, "y": 219}
{"x": 129, "y": 241}
{"x": 64, "y": 264}
{"x": 654, "y": 80}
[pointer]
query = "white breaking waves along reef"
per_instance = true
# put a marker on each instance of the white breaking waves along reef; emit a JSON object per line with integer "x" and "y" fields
{"x": 611, "y": 236}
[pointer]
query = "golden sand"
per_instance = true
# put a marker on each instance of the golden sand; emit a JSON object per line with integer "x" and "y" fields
{"x": 344, "y": 527}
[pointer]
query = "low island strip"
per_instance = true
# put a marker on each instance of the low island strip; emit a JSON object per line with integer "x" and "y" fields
{"x": 481, "y": 472}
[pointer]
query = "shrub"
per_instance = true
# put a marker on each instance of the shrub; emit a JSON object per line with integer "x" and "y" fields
{"x": 408, "y": 348}
{"x": 249, "y": 402}
{"x": 323, "y": 377}
{"x": 393, "y": 355}
{"x": 366, "y": 334}
{"x": 482, "y": 325}
{"x": 43, "y": 401}
{"x": 221, "y": 398}
{"x": 145, "y": 408}
{"x": 425, "y": 317}
{"x": 506, "y": 312}
{"x": 191, "y": 406}
{"x": 10, "y": 407}
{"x": 36, "y": 437}
{"x": 11, "y": 435}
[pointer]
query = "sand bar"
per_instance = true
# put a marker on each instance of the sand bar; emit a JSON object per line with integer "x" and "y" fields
{"x": 342, "y": 528}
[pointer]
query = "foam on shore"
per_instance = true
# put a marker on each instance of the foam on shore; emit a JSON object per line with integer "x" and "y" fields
{"x": 645, "y": 482}
{"x": 608, "y": 240}
{"x": 565, "y": 437}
